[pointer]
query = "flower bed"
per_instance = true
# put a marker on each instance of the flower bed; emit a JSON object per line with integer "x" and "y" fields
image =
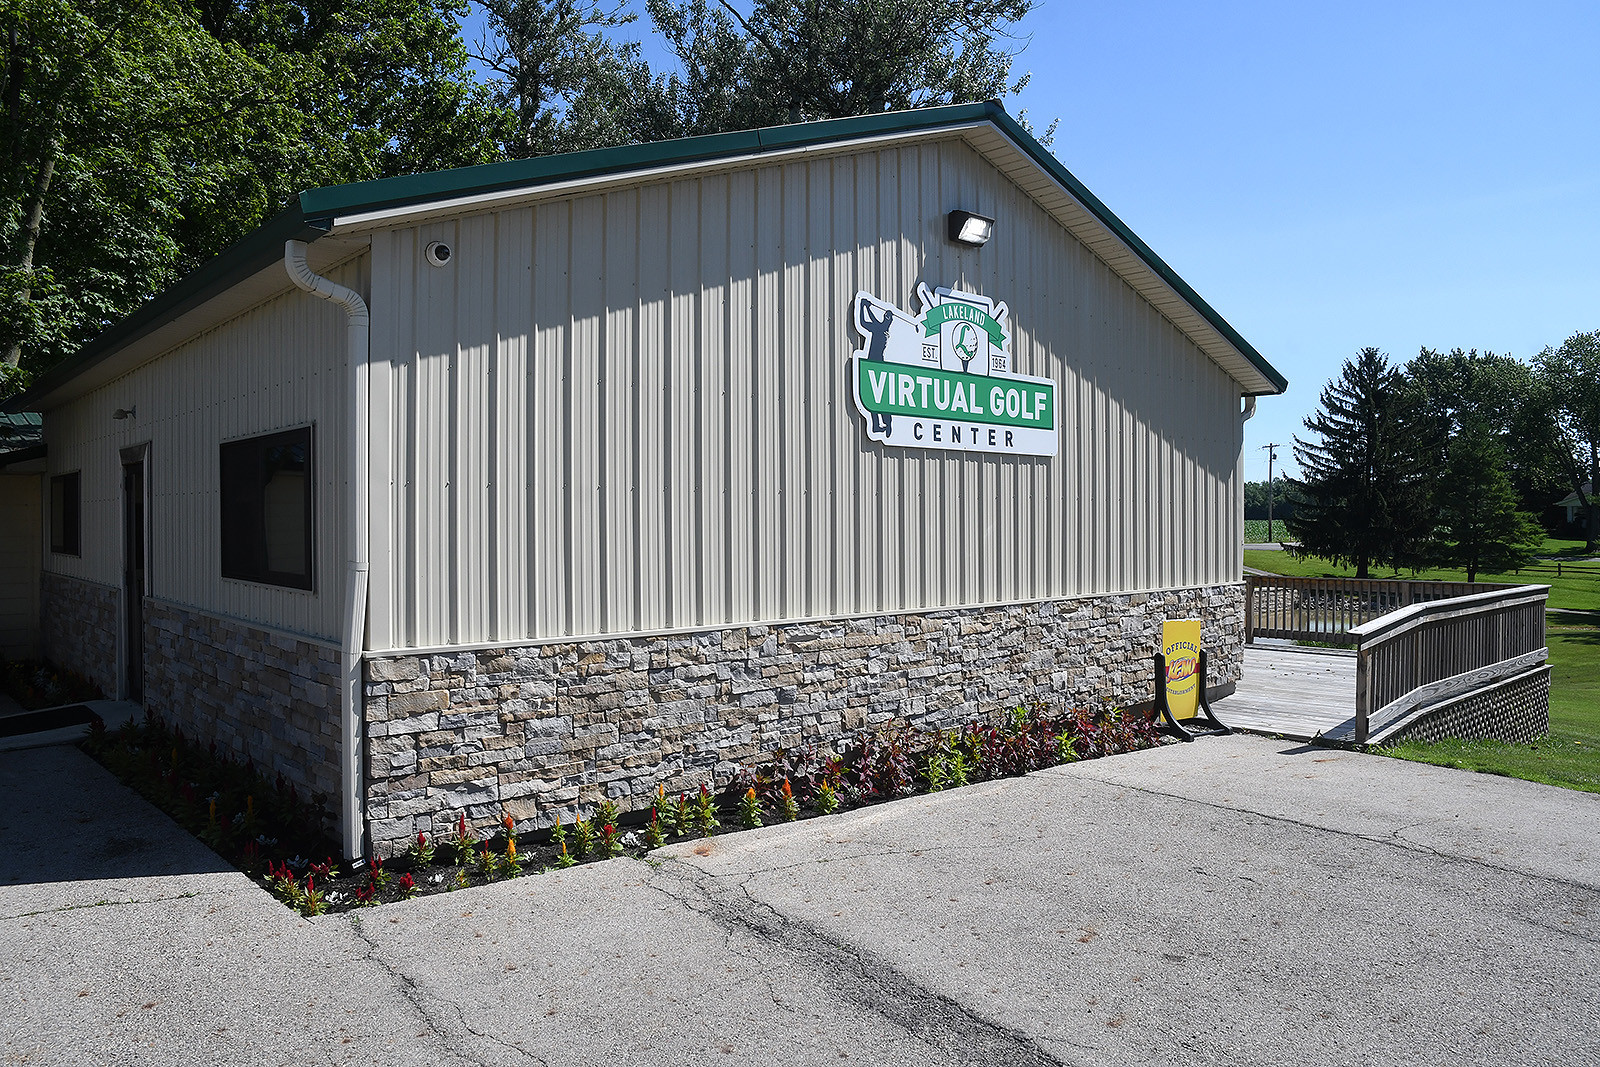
{"x": 247, "y": 819}
{"x": 272, "y": 834}
{"x": 36, "y": 684}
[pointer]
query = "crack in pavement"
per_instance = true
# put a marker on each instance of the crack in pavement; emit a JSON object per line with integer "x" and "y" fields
{"x": 413, "y": 995}
{"x": 1390, "y": 840}
{"x": 856, "y": 976}
{"x": 193, "y": 894}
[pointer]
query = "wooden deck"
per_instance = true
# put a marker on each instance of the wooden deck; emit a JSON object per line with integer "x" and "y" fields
{"x": 1293, "y": 692}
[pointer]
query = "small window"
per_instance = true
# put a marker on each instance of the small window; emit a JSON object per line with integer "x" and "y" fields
{"x": 266, "y": 509}
{"x": 64, "y": 510}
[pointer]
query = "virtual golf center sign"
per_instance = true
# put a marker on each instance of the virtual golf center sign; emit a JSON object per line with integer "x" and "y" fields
{"x": 943, "y": 378}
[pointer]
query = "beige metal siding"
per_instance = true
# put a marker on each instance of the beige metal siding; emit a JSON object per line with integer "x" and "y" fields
{"x": 629, "y": 412}
{"x": 278, "y": 366}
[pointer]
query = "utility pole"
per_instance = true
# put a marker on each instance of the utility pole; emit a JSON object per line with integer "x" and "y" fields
{"x": 1271, "y": 449}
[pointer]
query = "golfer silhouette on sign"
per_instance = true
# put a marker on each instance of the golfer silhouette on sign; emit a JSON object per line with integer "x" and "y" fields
{"x": 965, "y": 342}
{"x": 877, "y": 330}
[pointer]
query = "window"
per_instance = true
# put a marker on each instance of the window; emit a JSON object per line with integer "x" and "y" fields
{"x": 64, "y": 504}
{"x": 266, "y": 509}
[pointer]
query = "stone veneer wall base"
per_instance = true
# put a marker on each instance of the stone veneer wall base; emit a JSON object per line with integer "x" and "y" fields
{"x": 539, "y": 730}
{"x": 78, "y": 627}
{"x": 261, "y": 696}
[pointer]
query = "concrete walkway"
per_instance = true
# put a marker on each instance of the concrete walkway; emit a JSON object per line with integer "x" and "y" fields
{"x": 114, "y": 713}
{"x": 1233, "y": 901}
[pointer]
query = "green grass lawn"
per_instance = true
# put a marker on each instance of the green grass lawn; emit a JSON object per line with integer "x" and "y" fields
{"x": 1556, "y": 546}
{"x": 1570, "y": 755}
{"x": 1574, "y": 592}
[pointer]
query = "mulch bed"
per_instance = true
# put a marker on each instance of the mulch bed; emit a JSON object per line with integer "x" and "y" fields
{"x": 281, "y": 837}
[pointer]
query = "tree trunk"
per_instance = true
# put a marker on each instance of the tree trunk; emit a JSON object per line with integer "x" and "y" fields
{"x": 1593, "y": 532}
{"x": 33, "y": 221}
{"x": 1361, "y": 569}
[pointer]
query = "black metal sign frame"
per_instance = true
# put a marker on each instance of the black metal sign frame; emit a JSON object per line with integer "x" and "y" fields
{"x": 1168, "y": 723}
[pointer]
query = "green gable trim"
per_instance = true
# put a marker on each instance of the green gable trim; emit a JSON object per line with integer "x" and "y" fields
{"x": 413, "y": 189}
{"x": 312, "y": 213}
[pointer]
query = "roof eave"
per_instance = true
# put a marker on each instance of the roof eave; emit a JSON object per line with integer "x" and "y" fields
{"x": 251, "y": 254}
{"x": 311, "y": 215}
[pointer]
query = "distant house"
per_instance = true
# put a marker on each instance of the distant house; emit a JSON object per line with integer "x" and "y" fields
{"x": 1576, "y": 514}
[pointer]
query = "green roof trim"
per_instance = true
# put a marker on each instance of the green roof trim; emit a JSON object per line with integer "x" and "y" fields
{"x": 411, "y": 189}
{"x": 312, "y": 213}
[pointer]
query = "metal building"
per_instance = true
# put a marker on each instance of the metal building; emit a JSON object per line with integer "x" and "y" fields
{"x": 592, "y": 472}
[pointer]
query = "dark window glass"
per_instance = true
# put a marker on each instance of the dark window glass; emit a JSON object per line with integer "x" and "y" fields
{"x": 266, "y": 509}
{"x": 64, "y": 505}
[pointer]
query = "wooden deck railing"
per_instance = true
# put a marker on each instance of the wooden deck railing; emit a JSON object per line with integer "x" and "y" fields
{"x": 1325, "y": 609}
{"x": 1433, "y": 651}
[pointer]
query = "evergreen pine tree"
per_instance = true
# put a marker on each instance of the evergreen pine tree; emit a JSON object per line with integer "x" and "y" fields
{"x": 1364, "y": 494}
{"x": 1480, "y": 527}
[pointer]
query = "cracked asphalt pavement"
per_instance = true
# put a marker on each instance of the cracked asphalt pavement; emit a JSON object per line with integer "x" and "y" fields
{"x": 1234, "y": 901}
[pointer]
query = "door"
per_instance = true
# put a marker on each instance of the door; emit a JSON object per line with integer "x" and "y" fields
{"x": 133, "y": 579}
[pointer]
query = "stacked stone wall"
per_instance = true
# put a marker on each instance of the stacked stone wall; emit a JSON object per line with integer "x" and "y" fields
{"x": 541, "y": 729}
{"x": 260, "y": 696}
{"x": 78, "y": 627}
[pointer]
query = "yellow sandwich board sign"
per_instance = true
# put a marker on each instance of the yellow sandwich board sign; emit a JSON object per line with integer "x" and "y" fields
{"x": 1180, "y": 682}
{"x": 1180, "y": 647}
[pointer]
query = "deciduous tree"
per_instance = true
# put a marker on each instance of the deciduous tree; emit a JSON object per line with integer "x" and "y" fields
{"x": 567, "y": 82}
{"x": 142, "y": 136}
{"x": 775, "y": 61}
{"x": 1568, "y": 380}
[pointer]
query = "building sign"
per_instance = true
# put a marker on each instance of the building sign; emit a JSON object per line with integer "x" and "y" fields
{"x": 943, "y": 379}
{"x": 1180, "y": 644}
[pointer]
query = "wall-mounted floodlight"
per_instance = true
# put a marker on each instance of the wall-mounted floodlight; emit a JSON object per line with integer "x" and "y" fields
{"x": 969, "y": 227}
{"x": 125, "y": 413}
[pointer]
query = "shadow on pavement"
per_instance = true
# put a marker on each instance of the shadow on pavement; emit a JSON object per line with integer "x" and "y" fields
{"x": 71, "y": 821}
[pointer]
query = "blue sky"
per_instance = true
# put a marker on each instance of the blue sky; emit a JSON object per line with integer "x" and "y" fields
{"x": 1398, "y": 174}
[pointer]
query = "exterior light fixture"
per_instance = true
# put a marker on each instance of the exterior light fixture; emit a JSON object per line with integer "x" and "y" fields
{"x": 969, "y": 228}
{"x": 125, "y": 413}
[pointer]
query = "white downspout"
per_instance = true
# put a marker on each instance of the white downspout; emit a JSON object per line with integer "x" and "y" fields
{"x": 357, "y": 323}
{"x": 1249, "y": 411}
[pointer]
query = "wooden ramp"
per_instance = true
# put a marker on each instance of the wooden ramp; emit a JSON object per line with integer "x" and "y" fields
{"x": 1297, "y": 693}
